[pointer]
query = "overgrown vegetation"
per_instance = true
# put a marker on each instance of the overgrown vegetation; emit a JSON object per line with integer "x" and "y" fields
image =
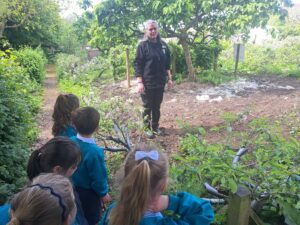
{"x": 34, "y": 62}
{"x": 270, "y": 166}
{"x": 274, "y": 57}
{"x": 19, "y": 103}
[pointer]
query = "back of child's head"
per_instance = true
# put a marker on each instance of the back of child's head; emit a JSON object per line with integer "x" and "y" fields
{"x": 59, "y": 151}
{"x": 65, "y": 104}
{"x": 86, "y": 120}
{"x": 146, "y": 170}
{"x": 48, "y": 200}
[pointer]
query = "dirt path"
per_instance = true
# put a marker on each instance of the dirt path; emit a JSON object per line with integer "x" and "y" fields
{"x": 45, "y": 116}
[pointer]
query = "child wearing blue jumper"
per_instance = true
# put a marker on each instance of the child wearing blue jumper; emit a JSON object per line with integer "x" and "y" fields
{"x": 141, "y": 202}
{"x": 64, "y": 106}
{"x": 90, "y": 178}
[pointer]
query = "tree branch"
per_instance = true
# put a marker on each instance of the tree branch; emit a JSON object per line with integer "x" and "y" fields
{"x": 12, "y": 26}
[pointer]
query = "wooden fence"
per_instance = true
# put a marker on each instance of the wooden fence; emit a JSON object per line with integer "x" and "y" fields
{"x": 240, "y": 211}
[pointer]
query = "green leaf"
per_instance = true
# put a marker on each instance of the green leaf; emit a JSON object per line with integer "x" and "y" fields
{"x": 232, "y": 185}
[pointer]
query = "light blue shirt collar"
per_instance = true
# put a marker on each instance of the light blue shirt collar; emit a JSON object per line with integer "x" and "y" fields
{"x": 84, "y": 139}
{"x": 148, "y": 214}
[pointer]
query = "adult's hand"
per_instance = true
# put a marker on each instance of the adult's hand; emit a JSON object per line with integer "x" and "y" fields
{"x": 106, "y": 198}
{"x": 170, "y": 83}
{"x": 141, "y": 88}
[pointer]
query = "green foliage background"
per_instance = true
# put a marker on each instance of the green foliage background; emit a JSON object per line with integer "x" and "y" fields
{"x": 19, "y": 103}
{"x": 34, "y": 62}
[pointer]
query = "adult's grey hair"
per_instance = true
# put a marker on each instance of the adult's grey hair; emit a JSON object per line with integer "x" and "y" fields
{"x": 147, "y": 24}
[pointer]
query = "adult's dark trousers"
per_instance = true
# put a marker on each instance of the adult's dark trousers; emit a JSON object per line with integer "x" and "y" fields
{"x": 152, "y": 99}
{"x": 91, "y": 204}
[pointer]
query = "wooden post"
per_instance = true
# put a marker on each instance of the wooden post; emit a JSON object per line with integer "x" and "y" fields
{"x": 237, "y": 58}
{"x": 254, "y": 219}
{"x": 127, "y": 68}
{"x": 239, "y": 207}
{"x": 174, "y": 63}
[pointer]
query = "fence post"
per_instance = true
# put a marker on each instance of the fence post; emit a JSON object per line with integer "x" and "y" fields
{"x": 127, "y": 67}
{"x": 239, "y": 207}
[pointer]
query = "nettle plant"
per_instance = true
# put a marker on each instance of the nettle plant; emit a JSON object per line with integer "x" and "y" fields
{"x": 271, "y": 165}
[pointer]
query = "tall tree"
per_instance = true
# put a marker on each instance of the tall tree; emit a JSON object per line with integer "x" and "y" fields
{"x": 190, "y": 21}
{"x": 30, "y": 22}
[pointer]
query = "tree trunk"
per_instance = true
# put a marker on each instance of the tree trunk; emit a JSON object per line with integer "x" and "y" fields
{"x": 215, "y": 62}
{"x": 114, "y": 72}
{"x": 2, "y": 26}
{"x": 188, "y": 59}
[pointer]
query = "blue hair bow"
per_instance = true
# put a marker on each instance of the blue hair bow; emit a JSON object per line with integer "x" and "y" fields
{"x": 153, "y": 154}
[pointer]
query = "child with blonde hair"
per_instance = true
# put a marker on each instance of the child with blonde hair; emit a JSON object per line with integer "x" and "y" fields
{"x": 141, "y": 202}
{"x": 48, "y": 200}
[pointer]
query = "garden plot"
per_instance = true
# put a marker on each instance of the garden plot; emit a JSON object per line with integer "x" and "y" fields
{"x": 194, "y": 105}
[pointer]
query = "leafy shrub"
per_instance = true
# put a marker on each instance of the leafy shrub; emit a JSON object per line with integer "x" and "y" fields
{"x": 270, "y": 165}
{"x": 34, "y": 61}
{"x": 177, "y": 59}
{"x": 66, "y": 65}
{"x": 19, "y": 102}
{"x": 205, "y": 55}
{"x": 79, "y": 70}
{"x": 274, "y": 57}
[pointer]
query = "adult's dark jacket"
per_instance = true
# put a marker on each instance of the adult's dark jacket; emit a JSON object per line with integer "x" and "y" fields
{"x": 152, "y": 62}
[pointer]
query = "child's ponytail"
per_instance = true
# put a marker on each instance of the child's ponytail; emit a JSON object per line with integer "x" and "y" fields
{"x": 33, "y": 166}
{"x": 65, "y": 104}
{"x": 145, "y": 170}
{"x": 134, "y": 196}
{"x": 59, "y": 151}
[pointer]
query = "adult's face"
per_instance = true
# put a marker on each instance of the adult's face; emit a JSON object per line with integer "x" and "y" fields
{"x": 151, "y": 31}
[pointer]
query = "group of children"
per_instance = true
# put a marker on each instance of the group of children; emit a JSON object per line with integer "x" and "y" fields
{"x": 53, "y": 199}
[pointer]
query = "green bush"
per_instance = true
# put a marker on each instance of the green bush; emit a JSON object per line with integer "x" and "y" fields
{"x": 19, "y": 103}
{"x": 178, "y": 63}
{"x": 34, "y": 61}
{"x": 270, "y": 165}
{"x": 274, "y": 57}
{"x": 205, "y": 55}
{"x": 66, "y": 65}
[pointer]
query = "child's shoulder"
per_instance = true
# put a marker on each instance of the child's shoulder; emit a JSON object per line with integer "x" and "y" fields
{"x": 93, "y": 148}
{"x": 96, "y": 147}
{"x": 4, "y": 214}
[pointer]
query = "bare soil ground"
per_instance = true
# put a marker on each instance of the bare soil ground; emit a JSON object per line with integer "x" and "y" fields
{"x": 202, "y": 105}
{"x": 190, "y": 105}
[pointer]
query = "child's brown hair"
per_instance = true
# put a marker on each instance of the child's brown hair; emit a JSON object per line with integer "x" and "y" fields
{"x": 65, "y": 104}
{"x": 59, "y": 151}
{"x": 143, "y": 178}
{"x": 86, "y": 120}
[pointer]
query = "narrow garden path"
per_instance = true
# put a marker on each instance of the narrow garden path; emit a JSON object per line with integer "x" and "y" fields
{"x": 45, "y": 116}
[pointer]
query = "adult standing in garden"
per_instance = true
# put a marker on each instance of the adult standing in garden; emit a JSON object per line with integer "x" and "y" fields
{"x": 152, "y": 70}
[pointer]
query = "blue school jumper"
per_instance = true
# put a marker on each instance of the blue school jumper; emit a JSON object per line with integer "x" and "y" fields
{"x": 4, "y": 214}
{"x": 90, "y": 178}
{"x": 68, "y": 131}
{"x": 190, "y": 210}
